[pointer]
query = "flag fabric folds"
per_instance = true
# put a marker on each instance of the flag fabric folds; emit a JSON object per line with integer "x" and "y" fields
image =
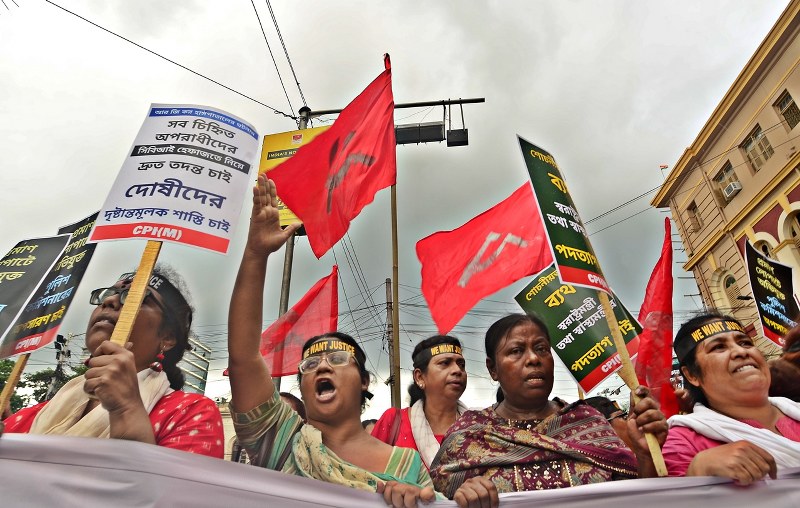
{"x": 654, "y": 363}
{"x": 316, "y": 313}
{"x": 491, "y": 251}
{"x": 330, "y": 180}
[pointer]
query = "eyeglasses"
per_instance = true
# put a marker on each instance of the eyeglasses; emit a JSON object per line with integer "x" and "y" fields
{"x": 335, "y": 359}
{"x": 98, "y": 295}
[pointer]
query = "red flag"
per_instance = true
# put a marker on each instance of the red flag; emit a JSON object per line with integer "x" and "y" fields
{"x": 654, "y": 362}
{"x": 316, "y": 313}
{"x": 330, "y": 180}
{"x": 495, "y": 249}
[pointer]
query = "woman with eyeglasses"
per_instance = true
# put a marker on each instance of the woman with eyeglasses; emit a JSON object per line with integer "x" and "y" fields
{"x": 133, "y": 392}
{"x": 332, "y": 445}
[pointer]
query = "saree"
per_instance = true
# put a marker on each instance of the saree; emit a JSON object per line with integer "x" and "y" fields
{"x": 574, "y": 446}
{"x": 276, "y": 438}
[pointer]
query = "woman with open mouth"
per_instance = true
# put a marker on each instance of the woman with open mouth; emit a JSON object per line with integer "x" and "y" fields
{"x": 133, "y": 392}
{"x": 440, "y": 378}
{"x": 735, "y": 430}
{"x": 529, "y": 442}
{"x": 332, "y": 445}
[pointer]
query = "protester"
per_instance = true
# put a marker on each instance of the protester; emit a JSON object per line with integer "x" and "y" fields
{"x": 614, "y": 414}
{"x": 527, "y": 442}
{"x": 334, "y": 382}
{"x": 368, "y": 425}
{"x": 440, "y": 378}
{"x": 785, "y": 371}
{"x": 133, "y": 392}
{"x": 735, "y": 429}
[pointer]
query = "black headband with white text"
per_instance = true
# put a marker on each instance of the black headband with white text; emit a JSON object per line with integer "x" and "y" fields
{"x": 686, "y": 344}
{"x": 424, "y": 356}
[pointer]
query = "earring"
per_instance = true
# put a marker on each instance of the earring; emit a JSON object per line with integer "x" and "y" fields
{"x": 156, "y": 365}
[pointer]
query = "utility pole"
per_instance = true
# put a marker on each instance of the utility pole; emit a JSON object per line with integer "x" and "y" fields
{"x": 390, "y": 339}
{"x": 288, "y": 254}
{"x": 62, "y": 354}
{"x": 422, "y": 134}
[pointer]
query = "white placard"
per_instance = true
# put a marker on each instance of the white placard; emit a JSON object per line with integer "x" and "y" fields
{"x": 184, "y": 180}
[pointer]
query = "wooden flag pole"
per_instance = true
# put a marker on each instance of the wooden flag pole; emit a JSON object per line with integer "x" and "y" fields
{"x": 11, "y": 382}
{"x": 133, "y": 301}
{"x": 628, "y": 375}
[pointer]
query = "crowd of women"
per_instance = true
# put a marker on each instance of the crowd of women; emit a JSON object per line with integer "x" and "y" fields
{"x": 437, "y": 447}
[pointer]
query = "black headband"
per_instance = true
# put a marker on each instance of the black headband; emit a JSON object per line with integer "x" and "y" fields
{"x": 424, "y": 356}
{"x": 172, "y": 298}
{"x": 685, "y": 344}
{"x": 329, "y": 344}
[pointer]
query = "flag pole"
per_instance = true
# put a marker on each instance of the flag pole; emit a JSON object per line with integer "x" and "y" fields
{"x": 628, "y": 375}
{"x": 127, "y": 316}
{"x": 395, "y": 349}
{"x": 12, "y": 381}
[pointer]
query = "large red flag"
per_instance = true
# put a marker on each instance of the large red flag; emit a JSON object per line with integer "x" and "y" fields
{"x": 330, "y": 180}
{"x": 491, "y": 251}
{"x": 316, "y": 313}
{"x": 654, "y": 362}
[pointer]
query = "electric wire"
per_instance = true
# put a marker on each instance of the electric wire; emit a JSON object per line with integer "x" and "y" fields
{"x": 274, "y": 110}
{"x": 286, "y": 52}
{"x": 277, "y": 71}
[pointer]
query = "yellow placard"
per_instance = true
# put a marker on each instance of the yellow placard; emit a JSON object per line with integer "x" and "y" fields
{"x": 277, "y": 148}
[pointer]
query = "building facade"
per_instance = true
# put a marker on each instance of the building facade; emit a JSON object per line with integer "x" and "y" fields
{"x": 740, "y": 179}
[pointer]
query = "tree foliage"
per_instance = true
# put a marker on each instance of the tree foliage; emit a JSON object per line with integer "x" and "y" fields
{"x": 17, "y": 401}
{"x": 40, "y": 381}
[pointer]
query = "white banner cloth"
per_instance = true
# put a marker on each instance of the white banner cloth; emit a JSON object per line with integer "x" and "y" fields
{"x": 87, "y": 472}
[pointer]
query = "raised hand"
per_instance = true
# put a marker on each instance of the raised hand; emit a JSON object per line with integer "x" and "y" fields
{"x": 265, "y": 235}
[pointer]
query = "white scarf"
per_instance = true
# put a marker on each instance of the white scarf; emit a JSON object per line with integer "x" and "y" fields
{"x": 423, "y": 435}
{"x": 717, "y": 426}
{"x": 63, "y": 415}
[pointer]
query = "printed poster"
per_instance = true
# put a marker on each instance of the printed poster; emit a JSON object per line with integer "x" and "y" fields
{"x": 773, "y": 292}
{"x": 579, "y": 332}
{"x": 569, "y": 243}
{"x": 22, "y": 271}
{"x": 277, "y": 148}
{"x": 184, "y": 180}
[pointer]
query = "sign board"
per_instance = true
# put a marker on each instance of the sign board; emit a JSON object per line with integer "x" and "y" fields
{"x": 184, "y": 180}
{"x": 277, "y": 148}
{"x": 773, "y": 292}
{"x": 579, "y": 332}
{"x": 572, "y": 252}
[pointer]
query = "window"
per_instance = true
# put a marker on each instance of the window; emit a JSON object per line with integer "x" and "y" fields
{"x": 794, "y": 226}
{"x": 788, "y": 109}
{"x": 732, "y": 290}
{"x": 695, "y": 221}
{"x": 765, "y": 248}
{"x": 723, "y": 181}
{"x": 757, "y": 148}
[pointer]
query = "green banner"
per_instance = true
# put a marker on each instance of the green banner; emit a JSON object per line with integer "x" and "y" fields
{"x": 572, "y": 252}
{"x": 579, "y": 332}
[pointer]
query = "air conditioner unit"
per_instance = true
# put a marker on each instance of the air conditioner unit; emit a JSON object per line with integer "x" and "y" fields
{"x": 731, "y": 190}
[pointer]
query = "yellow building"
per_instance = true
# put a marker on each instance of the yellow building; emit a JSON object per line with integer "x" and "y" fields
{"x": 740, "y": 178}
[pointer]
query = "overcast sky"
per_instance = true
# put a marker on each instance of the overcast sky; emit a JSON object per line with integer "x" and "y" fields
{"x": 612, "y": 89}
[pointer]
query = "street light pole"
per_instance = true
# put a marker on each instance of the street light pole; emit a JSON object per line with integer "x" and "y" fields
{"x": 394, "y": 348}
{"x": 288, "y": 254}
